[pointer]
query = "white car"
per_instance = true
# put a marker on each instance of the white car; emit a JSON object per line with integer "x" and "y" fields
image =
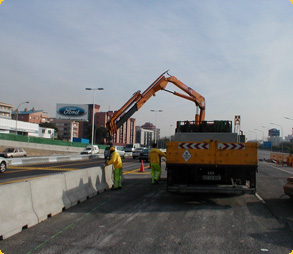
{"x": 88, "y": 150}
{"x": 3, "y": 165}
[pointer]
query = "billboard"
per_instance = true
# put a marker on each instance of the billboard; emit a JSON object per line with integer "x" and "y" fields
{"x": 274, "y": 133}
{"x": 78, "y": 112}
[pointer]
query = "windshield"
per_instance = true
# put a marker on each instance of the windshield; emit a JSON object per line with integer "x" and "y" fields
{"x": 129, "y": 145}
{"x": 9, "y": 150}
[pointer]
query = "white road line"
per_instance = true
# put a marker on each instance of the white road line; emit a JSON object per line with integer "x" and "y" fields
{"x": 282, "y": 170}
{"x": 260, "y": 198}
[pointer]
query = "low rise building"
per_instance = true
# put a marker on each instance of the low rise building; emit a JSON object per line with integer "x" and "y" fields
{"x": 6, "y": 110}
{"x": 31, "y": 116}
{"x": 9, "y": 126}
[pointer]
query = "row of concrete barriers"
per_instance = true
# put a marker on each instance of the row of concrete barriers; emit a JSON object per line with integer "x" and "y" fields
{"x": 30, "y": 202}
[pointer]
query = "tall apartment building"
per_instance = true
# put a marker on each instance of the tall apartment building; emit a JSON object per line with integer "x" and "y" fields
{"x": 150, "y": 126}
{"x": 125, "y": 134}
{"x": 67, "y": 129}
{"x": 144, "y": 137}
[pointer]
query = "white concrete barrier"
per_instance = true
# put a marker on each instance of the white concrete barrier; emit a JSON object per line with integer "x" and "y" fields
{"x": 16, "y": 209}
{"x": 109, "y": 176}
{"x": 96, "y": 180}
{"x": 25, "y": 204}
{"x": 76, "y": 182}
{"x": 49, "y": 196}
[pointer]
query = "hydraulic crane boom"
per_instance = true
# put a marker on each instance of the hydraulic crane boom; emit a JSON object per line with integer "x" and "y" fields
{"x": 139, "y": 99}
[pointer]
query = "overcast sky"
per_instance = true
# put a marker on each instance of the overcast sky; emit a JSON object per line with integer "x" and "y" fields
{"x": 237, "y": 54}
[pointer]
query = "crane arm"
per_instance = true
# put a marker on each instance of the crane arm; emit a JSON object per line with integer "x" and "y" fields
{"x": 139, "y": 99}
{"x": 133, "y": 104}
{"x": 198, "y": 99}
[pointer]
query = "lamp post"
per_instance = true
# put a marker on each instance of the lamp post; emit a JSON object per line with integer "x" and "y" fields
{"x": 289, "y": 119}
{"x": 93, "y": 116}
{"x": 281, "y": 133}
{"x": 17, "y": 114}
{"x": 156, "y": 111}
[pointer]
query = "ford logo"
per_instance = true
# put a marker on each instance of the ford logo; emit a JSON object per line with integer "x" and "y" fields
{"x": 71, "y": 111}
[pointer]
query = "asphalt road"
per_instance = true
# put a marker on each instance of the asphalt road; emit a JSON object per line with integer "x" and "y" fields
{"x": 144, "y": 218}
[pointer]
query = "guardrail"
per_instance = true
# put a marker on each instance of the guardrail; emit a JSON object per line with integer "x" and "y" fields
{"x": 47, "y": 159}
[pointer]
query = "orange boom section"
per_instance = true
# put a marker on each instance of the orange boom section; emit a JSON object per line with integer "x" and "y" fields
{"x": 138, "y": 99}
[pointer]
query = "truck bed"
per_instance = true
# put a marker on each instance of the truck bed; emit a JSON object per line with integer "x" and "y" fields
{"x": 211, "y": 166}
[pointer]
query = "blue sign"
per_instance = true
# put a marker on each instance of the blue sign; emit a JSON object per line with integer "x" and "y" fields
{"x": 267, "y": 144}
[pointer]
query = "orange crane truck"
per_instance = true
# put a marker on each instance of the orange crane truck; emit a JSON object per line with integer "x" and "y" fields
{"x": 205, "y": 156}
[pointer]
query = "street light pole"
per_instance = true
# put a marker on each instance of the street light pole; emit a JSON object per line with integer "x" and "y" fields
{"x": 156, "y": 111}
{"x": 17, "y": 114}
{"x": 93, "y": 115}
{"x": 289, "y": 119}
{"x": 281, "y": 133}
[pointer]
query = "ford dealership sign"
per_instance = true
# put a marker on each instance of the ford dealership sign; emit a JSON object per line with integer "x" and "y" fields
{"x": 74, "y": 112}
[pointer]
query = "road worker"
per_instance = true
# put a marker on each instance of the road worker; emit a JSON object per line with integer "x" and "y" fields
{"x": 155, "y": 161}
{"x": 117, "y": 163}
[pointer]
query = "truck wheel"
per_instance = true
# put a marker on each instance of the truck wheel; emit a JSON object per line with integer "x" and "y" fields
{"x": 2, "y": 167}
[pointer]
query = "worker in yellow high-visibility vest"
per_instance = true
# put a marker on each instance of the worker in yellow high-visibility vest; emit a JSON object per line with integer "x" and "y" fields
{"x": 117, "y": 163}
{"x": 155, "y": 161}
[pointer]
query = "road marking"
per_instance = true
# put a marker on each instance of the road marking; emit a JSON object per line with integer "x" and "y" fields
{"x": 260, "y": 198}
{"x": 282, "y": 170}
{"x": 22, "y": 180}
{"x": 39, "y": 168}
{"x": 135, "y": 171}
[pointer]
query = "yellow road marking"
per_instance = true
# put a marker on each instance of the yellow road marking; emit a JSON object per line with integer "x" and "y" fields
{"x": 22, "y": 180}
{"x": 22, "y": 169}
{"x": 135, "y": 171}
